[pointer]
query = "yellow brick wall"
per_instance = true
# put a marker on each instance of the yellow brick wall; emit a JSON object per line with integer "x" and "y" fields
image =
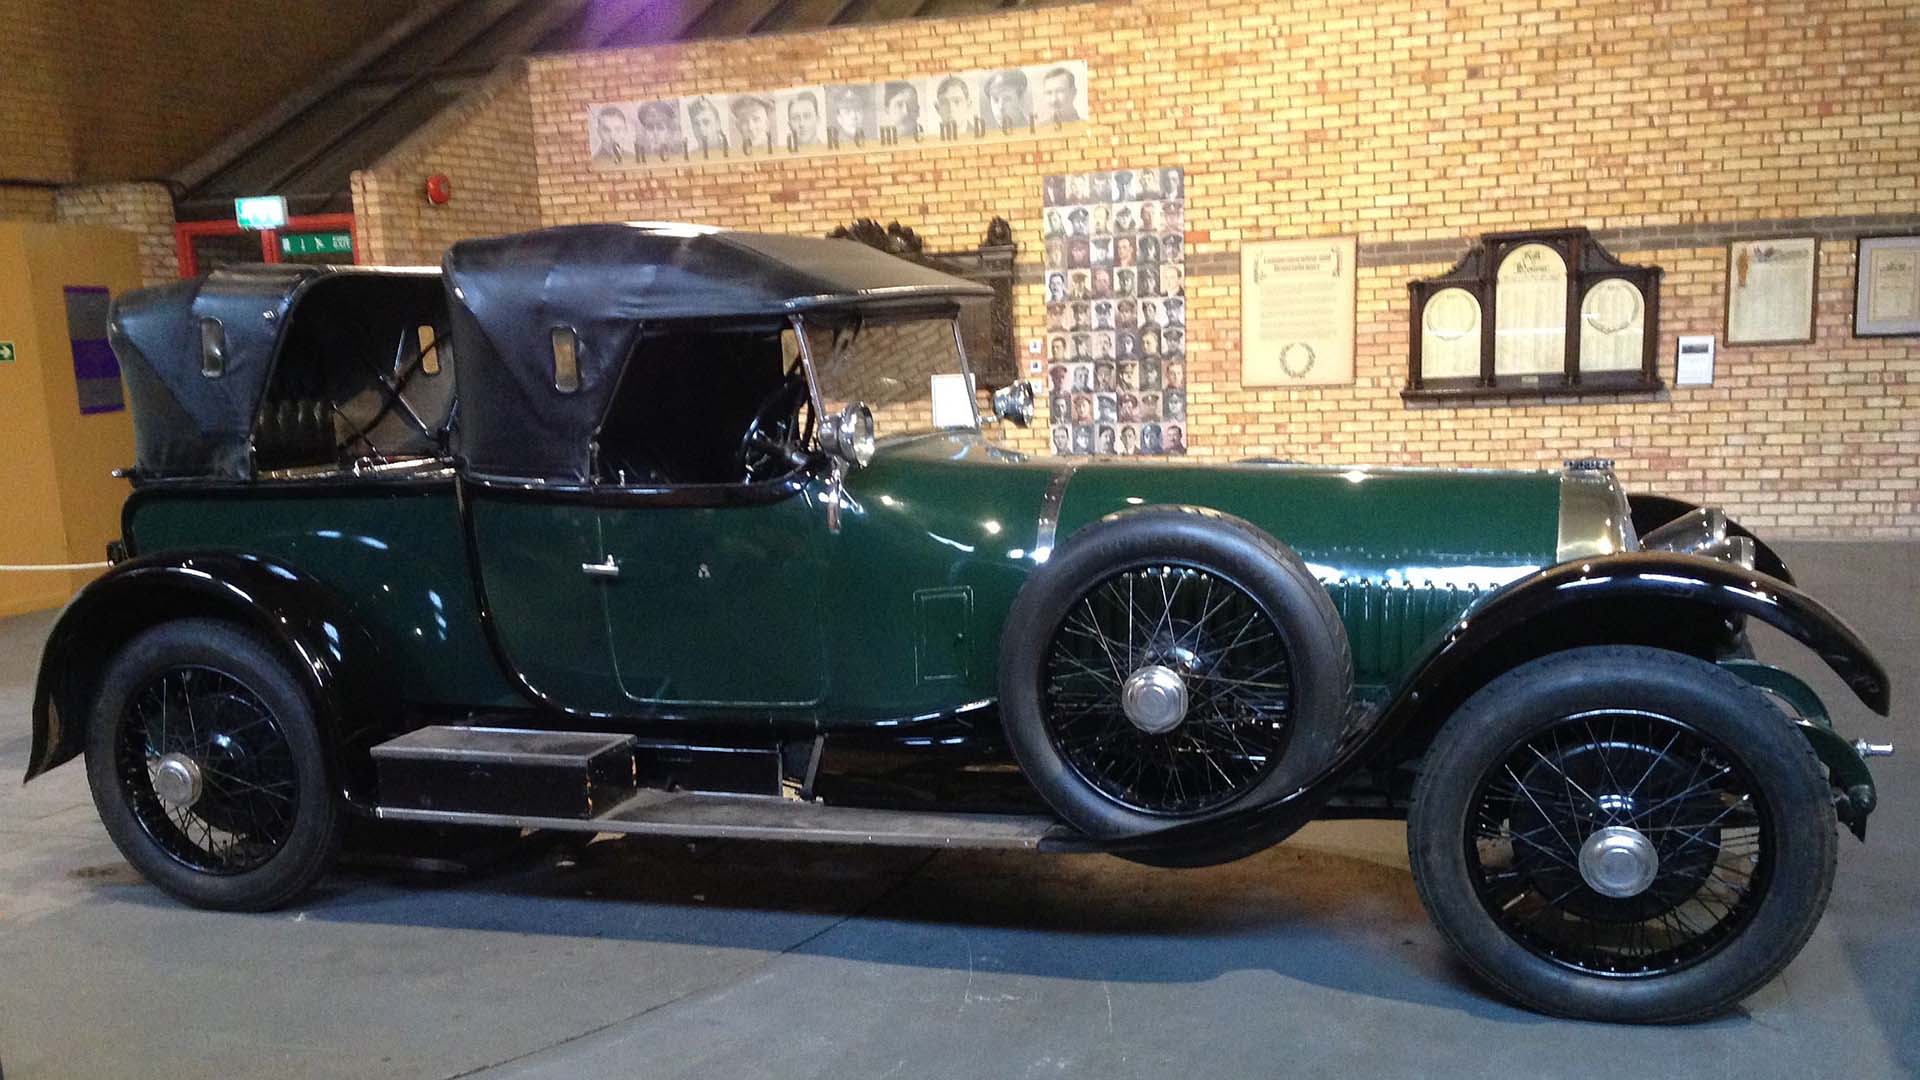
{"x": 482, "y": 145}
{"x": 1405, "y": 123}
{"x": 103, "y": 90}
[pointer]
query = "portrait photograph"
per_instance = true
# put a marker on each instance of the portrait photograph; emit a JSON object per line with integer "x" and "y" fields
{"x": 612, "y": 135}
{"x": 662, "y": 134}
{"x": 803, "y": 119}
{"x": 955, "y": 111}
{"x": 752, "y": 123}
{"x": 1063, "y": 95}
{"x": 707, "y": 128}
{"x": 852, "y": 115}
{"x": 1006, "y": 101}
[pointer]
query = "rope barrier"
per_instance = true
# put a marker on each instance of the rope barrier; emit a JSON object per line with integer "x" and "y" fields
{"x": 51, "y": 568}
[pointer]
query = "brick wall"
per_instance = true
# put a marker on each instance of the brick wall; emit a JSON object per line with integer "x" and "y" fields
{"x": 98, "y": 90}
{"x": 144, "y": 209}
{"x": 1414, "y": 126}
{"x": 482, "y": 144}
{"x": 26, "y": 203}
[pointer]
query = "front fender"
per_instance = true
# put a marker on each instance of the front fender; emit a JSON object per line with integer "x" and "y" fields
{"x": 336, "y": 660}
{"x": 1647, "y": 587}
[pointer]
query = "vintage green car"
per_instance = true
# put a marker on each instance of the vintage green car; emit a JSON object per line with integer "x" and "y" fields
{"x": 590, "y": 530}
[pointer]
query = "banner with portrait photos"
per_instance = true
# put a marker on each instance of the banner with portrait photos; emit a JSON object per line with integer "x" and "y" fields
{"x": 1117, "y": 311}
{"x": 808, "y": 121}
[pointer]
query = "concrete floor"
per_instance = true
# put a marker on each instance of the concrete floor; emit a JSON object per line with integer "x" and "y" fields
{"x": 742, "y": 960}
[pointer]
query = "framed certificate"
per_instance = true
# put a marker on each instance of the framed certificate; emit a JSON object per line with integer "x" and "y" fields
{"x": 1886, "y": 287}
{"x": 1296, "y": 312}
{"x": 1770, "y": 290}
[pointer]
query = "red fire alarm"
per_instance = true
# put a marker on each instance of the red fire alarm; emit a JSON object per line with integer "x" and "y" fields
{"x": 439, "y": 189}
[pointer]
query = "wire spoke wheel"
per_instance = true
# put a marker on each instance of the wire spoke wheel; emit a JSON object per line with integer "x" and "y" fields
{"x": 1169, "y": 689}
{"x": 1620, "y": 843}
{"x": 207, "y": 770}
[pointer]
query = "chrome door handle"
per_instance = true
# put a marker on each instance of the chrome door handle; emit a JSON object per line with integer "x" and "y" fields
{"x": 608, "y": 569}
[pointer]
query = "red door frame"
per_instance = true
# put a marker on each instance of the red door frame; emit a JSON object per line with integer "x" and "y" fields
{"x": 185, "y": 231}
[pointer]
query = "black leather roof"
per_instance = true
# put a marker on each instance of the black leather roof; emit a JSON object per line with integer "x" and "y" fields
{"x": 508, "y": 295}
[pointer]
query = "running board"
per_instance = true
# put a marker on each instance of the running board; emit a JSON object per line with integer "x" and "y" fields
{"x": 749, "y": 817}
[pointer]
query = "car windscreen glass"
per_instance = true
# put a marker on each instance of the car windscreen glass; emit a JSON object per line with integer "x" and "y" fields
{"x": 894, "y": 366}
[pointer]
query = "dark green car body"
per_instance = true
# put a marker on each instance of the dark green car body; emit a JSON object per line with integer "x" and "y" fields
{"x": 893, "y": 616}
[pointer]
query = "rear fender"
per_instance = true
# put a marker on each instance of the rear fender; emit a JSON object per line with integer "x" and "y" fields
{"x": 328, "y": 652}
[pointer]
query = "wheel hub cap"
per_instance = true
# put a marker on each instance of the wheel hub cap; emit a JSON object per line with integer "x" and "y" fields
{"x": 1619, "y": 862}
{"x": 177, "y": 781}
{"x": 1154, "y": 699}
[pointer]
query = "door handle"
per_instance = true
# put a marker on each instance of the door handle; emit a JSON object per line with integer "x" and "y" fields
{"x": 607, "y": 569}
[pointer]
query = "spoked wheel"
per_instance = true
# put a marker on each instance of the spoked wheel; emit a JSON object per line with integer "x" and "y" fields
{"x": 1621, "y": 843}
{"x": 1165, "y": 666}
{"x": 208, "y": 770}
{"x": 1590, "y": 838}
{"x": 1169, "y": 690}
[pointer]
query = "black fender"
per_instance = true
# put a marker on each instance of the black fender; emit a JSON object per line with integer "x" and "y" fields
{"x": 1669, "y": 599}
{"x": 335, "y": 658}
{"x": 1652, "y": 511}
{"x": 1642, "y": 596}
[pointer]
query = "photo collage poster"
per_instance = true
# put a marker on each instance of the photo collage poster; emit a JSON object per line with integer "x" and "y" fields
{"x": 1116, "y": 311}
{"x": 809, "y": 121}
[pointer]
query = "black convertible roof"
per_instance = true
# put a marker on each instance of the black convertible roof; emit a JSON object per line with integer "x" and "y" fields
{"x": 656, "y": 270}
{"x": 192, "y": 419}
{"x": 603, "y": 282}
{"x": 506, "y": 296}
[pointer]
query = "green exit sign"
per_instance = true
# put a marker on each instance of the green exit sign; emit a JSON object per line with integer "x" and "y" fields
{"x": 319, "y": 243}
{"x": 260, "y": 211}
{"x": 6, "y": 352}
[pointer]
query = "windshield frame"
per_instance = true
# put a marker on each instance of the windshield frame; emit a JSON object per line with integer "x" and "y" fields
{"x": 846, "y": 331}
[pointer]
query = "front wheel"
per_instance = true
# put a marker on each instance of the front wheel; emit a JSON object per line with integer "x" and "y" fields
{"x": 1624, "y": 834}
{"x": 208, "y": 768}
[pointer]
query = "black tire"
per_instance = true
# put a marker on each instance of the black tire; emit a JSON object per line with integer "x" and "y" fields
{"x": 289, "y": 838}
{"x": 1228, "y": 553}
{"x": 1769, "y": 871}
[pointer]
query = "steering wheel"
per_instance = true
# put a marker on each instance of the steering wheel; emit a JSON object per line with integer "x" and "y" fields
{"x": 775, "y": 441}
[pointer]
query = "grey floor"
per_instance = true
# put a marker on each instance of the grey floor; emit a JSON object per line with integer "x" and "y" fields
{"x": 740, "y": 960}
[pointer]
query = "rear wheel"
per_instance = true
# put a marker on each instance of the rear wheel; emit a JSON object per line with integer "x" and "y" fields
{"x": 1621, "y": 833}
{"x": 208, "y": 768}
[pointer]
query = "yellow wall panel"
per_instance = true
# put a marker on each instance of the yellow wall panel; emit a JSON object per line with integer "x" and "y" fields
{"x": 60, "y": 501}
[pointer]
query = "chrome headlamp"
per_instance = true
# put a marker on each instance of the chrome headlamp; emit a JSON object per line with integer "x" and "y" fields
{"x": 849, "y": 435}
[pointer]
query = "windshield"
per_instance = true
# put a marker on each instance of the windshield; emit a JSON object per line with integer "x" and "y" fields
{"x": 908, "y": 371}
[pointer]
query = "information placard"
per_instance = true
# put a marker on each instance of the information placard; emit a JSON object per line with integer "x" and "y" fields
{"x": 1297, "y": 312}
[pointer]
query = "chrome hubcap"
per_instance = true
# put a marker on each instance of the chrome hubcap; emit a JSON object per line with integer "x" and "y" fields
{"x": 1619, "y": 862}
{"x": 177, "y": 781}
{"x": 1154, "y": 699}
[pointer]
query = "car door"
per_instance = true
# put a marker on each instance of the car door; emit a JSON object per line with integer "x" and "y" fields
{"x": 711, "y": 594}
{"x": 532, "y": 550}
